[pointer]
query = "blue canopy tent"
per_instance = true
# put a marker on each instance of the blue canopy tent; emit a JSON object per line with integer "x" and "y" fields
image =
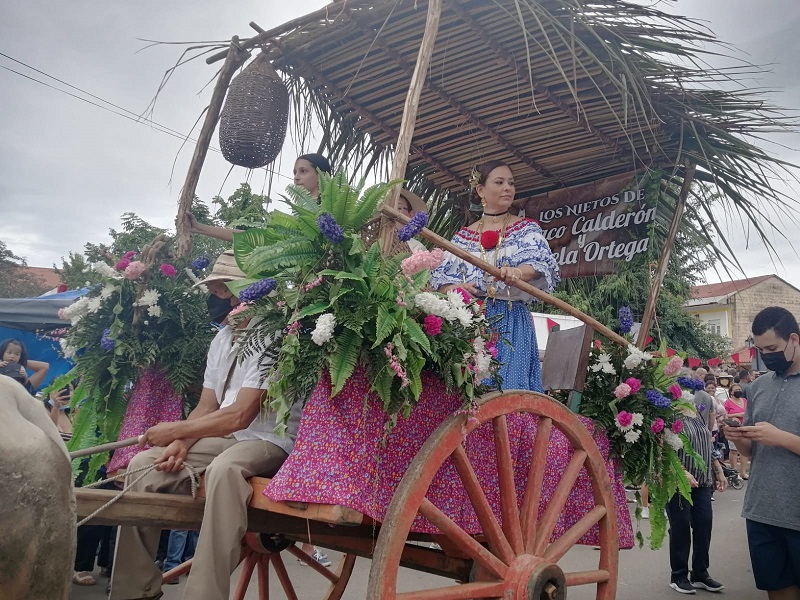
{"x": 27, "y": 319}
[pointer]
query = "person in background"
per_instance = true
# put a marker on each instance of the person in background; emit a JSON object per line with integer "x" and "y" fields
{"x": 704, "y": 401}
{"x": 14, "y": 351}
{"x": 306, "y": 176}
{"x": 770, "y": 437}
{"x": 410, "y": 204}
{"x": 180, "y": 548}
{"x": 735, "y": 407}
{"x": 690, "y": 523}
{"x": 745, "y": 379}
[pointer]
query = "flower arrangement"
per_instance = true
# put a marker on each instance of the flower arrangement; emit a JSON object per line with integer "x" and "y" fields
{"x": 637, "y": 399}
{"x": 324, "y": 301}
{"x": 144, "y": 314}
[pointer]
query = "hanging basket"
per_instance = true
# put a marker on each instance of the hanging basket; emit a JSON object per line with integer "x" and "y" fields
{"x": 253, "y": 121}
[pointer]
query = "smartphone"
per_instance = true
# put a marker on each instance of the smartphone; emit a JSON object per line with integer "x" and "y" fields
{"x": 732, "y": 422}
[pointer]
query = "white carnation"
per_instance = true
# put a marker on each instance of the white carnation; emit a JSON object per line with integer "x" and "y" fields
{"x": 632, "y": 436}
{"x": 324, "y": 329}
{"x": 149, "y": 298}
{"x": 94, "y": 305}
{"x": 463, "y": 315}
{"x": 106, "y": 270}
{"x": 435, "y": 305}
{"x": 604, "y": 364}
{"x": 455, "y": 299}
{"x": 638, "y": 419}
{"x": 673, "y": 439}
{"x": 154, "y": 311}
{"x": 67, "y": 350}
{"x": 636, "y": 357}
{"x": 106, "y": 291}
{"x": 77, "y": 310}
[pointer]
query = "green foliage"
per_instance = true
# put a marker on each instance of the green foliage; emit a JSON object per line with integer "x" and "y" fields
{"x": 15, "y": 281}
{"x": 346, "y": 305}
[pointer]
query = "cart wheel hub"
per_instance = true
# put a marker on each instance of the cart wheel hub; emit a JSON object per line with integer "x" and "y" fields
{"x": 532, "y": 578}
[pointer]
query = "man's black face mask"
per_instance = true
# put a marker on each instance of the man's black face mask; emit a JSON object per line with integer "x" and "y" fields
{"x": 218, "y": 308}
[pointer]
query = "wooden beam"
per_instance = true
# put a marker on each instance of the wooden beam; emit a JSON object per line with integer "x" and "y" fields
{"x": 527, "y": 75}
{"x": 409, "y": 119}
{"x": 451, "y": 101}
{"x": 235, "y": 58}
{"x": 522, "y": 285}
{"x": 663, "y": 261}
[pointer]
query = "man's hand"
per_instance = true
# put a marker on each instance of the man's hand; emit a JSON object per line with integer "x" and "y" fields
{"x": 721, "y": 483}
{"x": 161, "y": 434}
{"x": 732, "y": 433}
{"x": 763, "y": 433}
{"x": 692, "y": 481}
{"x": 173, "y": 457}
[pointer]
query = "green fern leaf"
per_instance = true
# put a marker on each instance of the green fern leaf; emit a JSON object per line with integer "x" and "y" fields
{"x": 371, "y": 264}
{"x": 415, "y": 333}
{"x": 384, "y": 325}
{"x": 311, "y": 309}
{"x": 382, "y": 384}
{"x": 343, "y": 361}
{"x": 369, "y": 202}
{"x": 269, "y": 261}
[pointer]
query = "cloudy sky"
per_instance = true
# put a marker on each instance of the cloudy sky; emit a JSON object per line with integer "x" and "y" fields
{"x": 69, "y": 169}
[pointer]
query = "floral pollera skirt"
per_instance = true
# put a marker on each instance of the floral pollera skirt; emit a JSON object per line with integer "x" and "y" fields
{"x": 342, "y": 457}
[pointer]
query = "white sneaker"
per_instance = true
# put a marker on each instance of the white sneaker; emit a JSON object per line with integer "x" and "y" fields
{"x": 646, "y": 512}
{"x": 321, "y": 558}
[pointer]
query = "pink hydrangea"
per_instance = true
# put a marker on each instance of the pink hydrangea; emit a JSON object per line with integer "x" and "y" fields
{"x": 134, "y": 270}
{"x": 634, "y": 384}
{"x": 420, "y": 261}
{"x": 624, "y": 420}
{"x": 623, "y": 390}
{"x": 433, "y": 325}
{"x": 673, "y": 366}
{"x": 676, "y": 391}
{"x": 677, "y": 427}
{"x": 167, "y": 270}
{"x": 122, "y": 264}
{"x": 657, "y": 426}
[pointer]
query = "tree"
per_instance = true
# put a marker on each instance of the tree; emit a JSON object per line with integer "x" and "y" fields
{"x": 15, "y": 281}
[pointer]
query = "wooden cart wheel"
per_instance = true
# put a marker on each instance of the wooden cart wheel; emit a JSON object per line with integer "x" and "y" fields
{"x": 259, "y": 554}
{"x": 518, "y": 561}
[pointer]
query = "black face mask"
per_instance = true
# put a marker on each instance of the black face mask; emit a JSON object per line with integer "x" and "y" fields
{"x": 777, "y": 361}
{"x": 737, "y": 394}
{"x": 218, "y": 308}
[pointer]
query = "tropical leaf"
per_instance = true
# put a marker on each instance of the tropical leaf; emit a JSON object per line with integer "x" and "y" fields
{"x": 382, "y": 384}
{"x": 415, "y": 333}
{"x": 269, "y": 261}
{"x": 385, "y": 324}
{"x": 343, "y": 361}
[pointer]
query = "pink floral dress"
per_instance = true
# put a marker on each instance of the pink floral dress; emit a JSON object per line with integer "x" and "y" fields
{"x": 341, "y": 457}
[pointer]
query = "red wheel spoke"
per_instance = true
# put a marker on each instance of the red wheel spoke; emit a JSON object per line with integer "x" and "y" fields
{"x": 533, "y": 487}
{"x": 246, "y": 575}
{"x": 508, "y": 489}
{"x": 587, "y": 577}
{"x": 263, "y": 577}
{"x": 283, "y": 576}
{"x": 491, "y": 528}
{"x": 558, "y": 501}
{"x": 456, "y": 592}
{"x": 465, "y": 541}
{"x": 309, "y": 560}
{"x": 558, "y": 549}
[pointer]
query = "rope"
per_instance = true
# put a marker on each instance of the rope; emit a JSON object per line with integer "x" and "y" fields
{"x": 194, "y": 479}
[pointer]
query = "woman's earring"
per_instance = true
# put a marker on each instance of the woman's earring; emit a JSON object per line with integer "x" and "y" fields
{"x": 483, "y": 202}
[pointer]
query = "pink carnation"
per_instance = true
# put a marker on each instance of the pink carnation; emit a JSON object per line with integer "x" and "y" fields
{"x": 634, "y": 384}
{"x": 167, "y": 270}
{"x": 134, "y": 270}
{"x": 624, "y": 419}
{"x": 433, "y": 325}
{"x": 657, "y": 426}
{"x": 676, "y": 391}
{"x": 129, "y": 255}
{"x": 491, "y": 348}
{"x": 677, "y": 427}
{"x": 122, "y": 264}
{"x": 623, "y": 390}
{"x": 673, "y": 366}
{"x": 464, "y": 294}
{"x": 61, "y": 314}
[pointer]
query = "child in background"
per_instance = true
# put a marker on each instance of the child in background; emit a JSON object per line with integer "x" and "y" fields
{"x": 14, "y": 351}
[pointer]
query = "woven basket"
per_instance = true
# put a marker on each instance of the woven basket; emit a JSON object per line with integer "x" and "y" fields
{"x": 253, "y": 121}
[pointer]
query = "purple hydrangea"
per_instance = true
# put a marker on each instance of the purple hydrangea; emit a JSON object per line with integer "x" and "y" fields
{"x": 657, "y": 399}
{"x": 200, "y": 263}
{"x": 691, "y": 384}
{"x": 256, "y": 291}
{"x": 106, "y": 343}
{"x": 625, "y": 319}
{"x": 328, "y": 226}
{"x": 413, "y": 227}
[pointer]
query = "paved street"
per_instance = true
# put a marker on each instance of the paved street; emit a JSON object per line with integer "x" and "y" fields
{"x": 643, "y": 573}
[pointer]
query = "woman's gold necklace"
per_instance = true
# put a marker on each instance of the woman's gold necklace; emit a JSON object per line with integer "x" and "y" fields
{"x": 491, "y": 290}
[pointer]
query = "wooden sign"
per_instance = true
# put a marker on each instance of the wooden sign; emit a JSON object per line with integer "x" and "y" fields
{"x": 594, "y": 227}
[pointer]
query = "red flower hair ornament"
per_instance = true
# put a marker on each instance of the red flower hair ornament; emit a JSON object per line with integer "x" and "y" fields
{"x": 490, "y": 239}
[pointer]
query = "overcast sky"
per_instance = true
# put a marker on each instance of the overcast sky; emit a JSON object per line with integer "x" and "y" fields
{"x": 69, "y": 169}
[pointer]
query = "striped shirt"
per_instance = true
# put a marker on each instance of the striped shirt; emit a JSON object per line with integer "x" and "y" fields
{"x": 696, "y": 430}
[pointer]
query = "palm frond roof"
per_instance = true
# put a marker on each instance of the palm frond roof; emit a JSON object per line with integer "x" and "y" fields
{"x": 564, "y": 91}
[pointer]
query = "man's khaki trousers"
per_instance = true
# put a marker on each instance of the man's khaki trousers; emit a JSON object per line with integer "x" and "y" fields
{"x": 227, "y": 464}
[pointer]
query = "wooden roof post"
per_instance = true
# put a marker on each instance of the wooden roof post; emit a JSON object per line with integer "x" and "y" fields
{"x": 235, "y": 58}
{"x": 663, "y": 261}
{"x": 415, "y": 88}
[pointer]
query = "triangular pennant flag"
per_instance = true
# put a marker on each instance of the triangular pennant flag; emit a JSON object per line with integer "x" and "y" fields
{"x": 735, "y": 358}
{"x": 694, "y": 362}
{"x": 551, "y": 324}
{"x": 648, "y": 340}
{"x": 671, "y": 352}
{"x": 753, "y": 352}
{"x": 714, "y": 362}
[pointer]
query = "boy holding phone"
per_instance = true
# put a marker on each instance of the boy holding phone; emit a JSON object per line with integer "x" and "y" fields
{"x": 769, "y": 437}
